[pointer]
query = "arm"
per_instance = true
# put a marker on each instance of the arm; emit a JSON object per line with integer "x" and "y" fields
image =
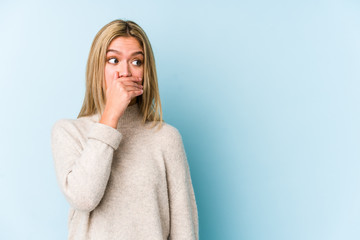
{"x": 183, "y": 210}
{"x": 83, "y": 173}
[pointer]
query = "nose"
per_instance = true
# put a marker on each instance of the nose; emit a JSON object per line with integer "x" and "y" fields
{"x": 124, "y": 69}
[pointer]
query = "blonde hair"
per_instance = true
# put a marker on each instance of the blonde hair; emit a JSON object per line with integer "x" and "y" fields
{"x": 94, "y": 101}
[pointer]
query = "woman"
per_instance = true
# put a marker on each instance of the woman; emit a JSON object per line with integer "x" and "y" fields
{"x": 123, "y": 177}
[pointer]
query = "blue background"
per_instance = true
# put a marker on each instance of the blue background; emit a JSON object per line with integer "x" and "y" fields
{"x": 264, "y": 93}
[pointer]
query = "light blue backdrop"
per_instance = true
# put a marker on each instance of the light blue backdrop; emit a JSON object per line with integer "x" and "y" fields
{"x": 264, "y": 93}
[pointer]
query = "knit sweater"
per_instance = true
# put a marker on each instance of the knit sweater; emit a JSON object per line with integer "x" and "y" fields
{"x": 129, "y": 183}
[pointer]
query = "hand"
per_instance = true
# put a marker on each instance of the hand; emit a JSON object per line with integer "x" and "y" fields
{"x": 118, "y": 96}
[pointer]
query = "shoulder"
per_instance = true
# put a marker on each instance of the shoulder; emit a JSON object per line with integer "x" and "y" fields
{"x": 166, "y": 132}
{"x": 72, "y": 126}
{"x": 70, "y": 133}
{"x": 167, "y": 136}
{"x": 62, "y": 125}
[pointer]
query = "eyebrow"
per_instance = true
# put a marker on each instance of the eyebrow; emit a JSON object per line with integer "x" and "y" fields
{"x": 133, "y": 54}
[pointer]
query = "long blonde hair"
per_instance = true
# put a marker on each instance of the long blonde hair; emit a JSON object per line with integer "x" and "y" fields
{"x": 94, "y": 101}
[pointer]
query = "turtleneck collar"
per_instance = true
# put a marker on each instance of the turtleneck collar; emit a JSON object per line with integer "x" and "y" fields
{"x": 132, "y": 117}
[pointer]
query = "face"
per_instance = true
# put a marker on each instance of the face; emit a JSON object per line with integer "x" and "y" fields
{"x": 124, "y": 55}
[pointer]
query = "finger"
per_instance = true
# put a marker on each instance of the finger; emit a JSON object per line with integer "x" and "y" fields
{"x": 134, "y": 79}
{"x": 131, "y": 88}
{"x": 134, "y": 84}
{"x": 116, "y": 75}
{"x": 135, "y": 93}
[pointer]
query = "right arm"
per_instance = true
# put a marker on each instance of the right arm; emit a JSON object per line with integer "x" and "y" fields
{"x": 83, "y": 172}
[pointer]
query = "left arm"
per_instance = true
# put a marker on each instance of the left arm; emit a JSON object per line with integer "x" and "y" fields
{"x": 183, "y": 210}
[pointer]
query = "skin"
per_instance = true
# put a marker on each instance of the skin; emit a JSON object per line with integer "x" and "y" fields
{"x": 124, "y": 72}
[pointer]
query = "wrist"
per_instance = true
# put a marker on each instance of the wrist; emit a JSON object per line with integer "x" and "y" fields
{"x": 110, "y": 119}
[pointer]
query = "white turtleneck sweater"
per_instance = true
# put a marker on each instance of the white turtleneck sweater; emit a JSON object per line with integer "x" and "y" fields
{"x": 129, "y": 183}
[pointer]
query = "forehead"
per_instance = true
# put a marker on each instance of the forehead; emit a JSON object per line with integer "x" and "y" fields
{"x": 125, "y": 44}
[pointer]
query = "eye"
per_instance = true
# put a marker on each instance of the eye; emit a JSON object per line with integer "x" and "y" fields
{"x": 137, "y": 62}
{"x": 113, "y": 60}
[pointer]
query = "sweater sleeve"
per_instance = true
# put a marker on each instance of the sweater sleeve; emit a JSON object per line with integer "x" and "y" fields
{"x": 83, "y": 171}
{"x": 183, "y": 210}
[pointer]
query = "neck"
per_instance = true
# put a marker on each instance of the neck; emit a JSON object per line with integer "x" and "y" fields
{"x": 131, "y": 117}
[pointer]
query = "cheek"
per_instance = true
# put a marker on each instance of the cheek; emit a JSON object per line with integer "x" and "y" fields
{"x": 138, "y": 72}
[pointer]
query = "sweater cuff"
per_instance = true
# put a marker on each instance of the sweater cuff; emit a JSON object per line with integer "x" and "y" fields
{"x": 106, "y": 134}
